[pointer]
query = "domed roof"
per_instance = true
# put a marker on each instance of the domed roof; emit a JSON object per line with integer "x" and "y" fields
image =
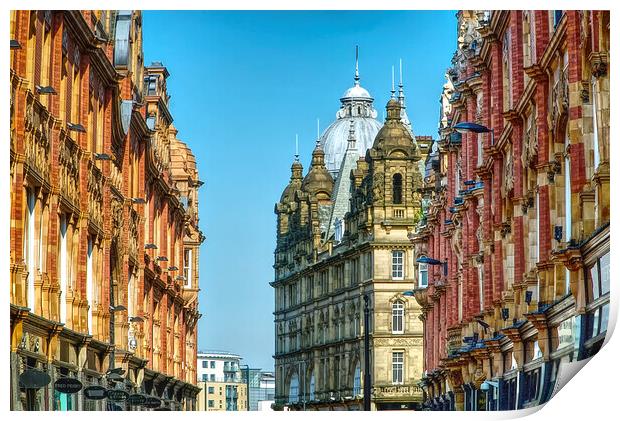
{"x": 394, "y": 133}
{"x": 318, "y": 178}
{"x": 294, "y": 184}
{"x": 335, "y": 138}
{"x": 356, "y": 92}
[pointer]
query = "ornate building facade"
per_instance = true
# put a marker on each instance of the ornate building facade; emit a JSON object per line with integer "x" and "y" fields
{"x": 342, "y": 235}
{"x": 518, "y": 208}
{"x": 104, "y": 221}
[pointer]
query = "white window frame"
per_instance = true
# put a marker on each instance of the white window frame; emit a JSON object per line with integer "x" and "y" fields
{"x": 63, "y": 268}
{"x": 89, "y": 282}
{"x": 422, "y": 269}
{"x": 398, "y": 317}
{"x": 398, "y": 367}
{"x": 29, "y": 246}
{"x": 187, "y": 267}
{"x": 398, "y": 273}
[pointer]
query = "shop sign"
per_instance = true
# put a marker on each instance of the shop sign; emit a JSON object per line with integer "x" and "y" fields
{"x": 152, "y": 402}
{"x": 117, "y": 395}
{"x": 397, "y": 390}
{"x": 95, "y": 392}
{"x": 68, "y": 385}
{"x": 136, "y": 399}
{"x": 34, "y": 379}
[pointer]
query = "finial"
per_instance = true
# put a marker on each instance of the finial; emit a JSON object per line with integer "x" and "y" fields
{"x": 296, "y": 148}
{"x": 401, "y": 92}
{"x": 318, "y": 133}
{"x": 357, "y": 72}
{"x": 393, "y": 90}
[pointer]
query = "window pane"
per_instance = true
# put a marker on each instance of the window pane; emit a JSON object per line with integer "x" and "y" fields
{"x": 594, "y": 282}
{"x": 604, "y": 274}
{"x": 604, "y": 318}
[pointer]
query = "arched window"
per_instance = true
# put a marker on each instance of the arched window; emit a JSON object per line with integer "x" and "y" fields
{"x": 357, "y": 380}
{"x": 293, "y": 391}
{"x": 398, "y": 315}
{"x": 397, "y": 189}
{"x": 422, "y": 274}
{"x": 312, "y": 387}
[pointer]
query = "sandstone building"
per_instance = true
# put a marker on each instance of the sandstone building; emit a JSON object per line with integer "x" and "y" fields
{"x": 342, "y": 234}
{"x": 104, "y": 216}
{"x": 518, "y": 207}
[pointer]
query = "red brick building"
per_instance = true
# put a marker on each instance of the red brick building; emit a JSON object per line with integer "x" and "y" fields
{"x": 103, "y": 217}
{"x": 517, "y": 207}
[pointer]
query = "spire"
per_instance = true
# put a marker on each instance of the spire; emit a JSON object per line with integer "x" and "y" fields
{"x": 393, "y": 90}
{"x": 318, "y": 133}
{"x": 357, "y": 72}
{"x": 296, "y": 148}
{"x": 401, "y": 92}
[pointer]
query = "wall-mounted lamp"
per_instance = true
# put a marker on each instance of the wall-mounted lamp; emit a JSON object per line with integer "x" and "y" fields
{"x": 102, "y": 157}
{"x": 76, "y": 127}
{"x": 136, "y": 319}
{"x": 150, "y": 246}
{"x": 119, "y": 307}
{"x": 161, "y": 259}
{"x": 15, "y": 45}
{"x": 138, "y": 200}
{"x": 45, "y": 90}
{"x": 172, "y": 268}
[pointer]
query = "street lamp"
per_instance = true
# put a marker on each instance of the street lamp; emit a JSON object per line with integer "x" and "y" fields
{"x": 366, "y": 354}
{"x": 467, "y": 127}
{"x": 247, "y": 384}
{"x": 431, "y": 261}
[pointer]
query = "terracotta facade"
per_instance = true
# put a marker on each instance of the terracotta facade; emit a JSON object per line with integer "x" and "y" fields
{"x": 98, "y": 179}
{"x": 521, "y": 213}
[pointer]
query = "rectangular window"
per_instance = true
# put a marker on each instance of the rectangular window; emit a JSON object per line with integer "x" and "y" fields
{"x": 212, "y": 377}
{"x": 29, "y": 247}
{"x": 89, "y": 283}
{"x": 204, "y": 377}
{"x": 211, "y": 389}
{"x": 204, "y": 363}
{"x": 397, "y": 367}
{"x": 64, "y": 265}
{"x": 422, "y": 275}
{"x": 397, "y": 264}
{"x": 211, "y": 404}
{"x": 187, "y": 267}
{"x": 398, "y": 312}
{"x": 212, "y": 364}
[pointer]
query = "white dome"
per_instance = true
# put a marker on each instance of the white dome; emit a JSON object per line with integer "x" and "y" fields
{"x": 334, "y": 140}
{"x": 356, "y": 92}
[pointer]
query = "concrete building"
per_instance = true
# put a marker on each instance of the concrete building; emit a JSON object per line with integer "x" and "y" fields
{"x": 342, "y": 234}
{"x": 219, "y": 375}
{"x": 518, "y": 207}
{"x": 104, "y": 217}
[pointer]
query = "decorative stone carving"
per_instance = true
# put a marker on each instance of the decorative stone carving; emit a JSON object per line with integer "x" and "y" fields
{"x": 530, "y": 142}
{"x": 559, "y": 100}
{"x": 508, "y": 179}
{"x": 37, "y": 124}
{"x": 69, "y": 170}
{"x": 95, "y": 195}
{"x": 132, "y": 245}
{"x": 117, "y": 218}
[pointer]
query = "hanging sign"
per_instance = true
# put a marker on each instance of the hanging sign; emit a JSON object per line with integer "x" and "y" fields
{"x": 152, "y": 402}
{"x": 68, "y": 385}
{"x": 136, "y": 399}
{"x": 117, "y": 395}
{"x": 34, "y": 379}
{"x": 95, "y": 392}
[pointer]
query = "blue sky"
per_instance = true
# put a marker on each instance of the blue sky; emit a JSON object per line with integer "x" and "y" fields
{"x": 242, "y": 84}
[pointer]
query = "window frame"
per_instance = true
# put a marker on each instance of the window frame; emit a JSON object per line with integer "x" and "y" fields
{"x": 398, "y": 367}
{"x": 398, "y": 317}
{"x": 395, "y": 264}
